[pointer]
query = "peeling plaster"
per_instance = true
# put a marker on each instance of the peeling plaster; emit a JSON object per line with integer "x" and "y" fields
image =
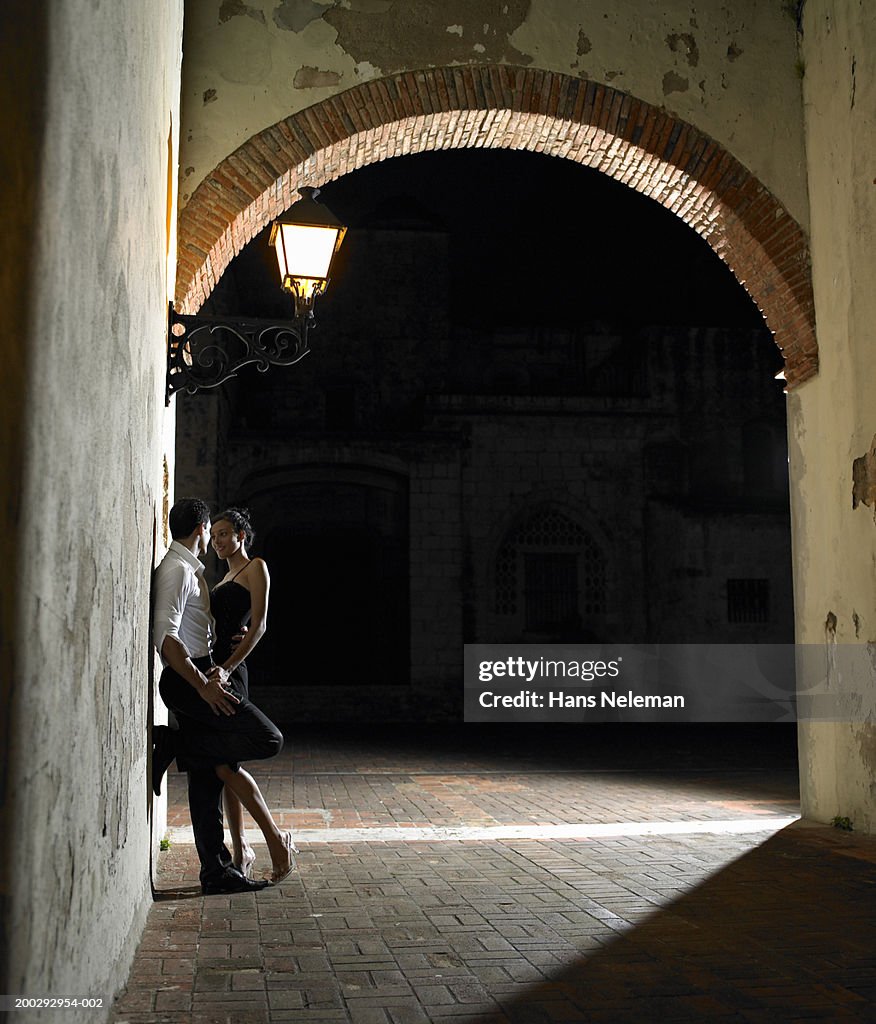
{"x": 864, "y": 479}
{"x": 423, "y": 35}
{"x": 365, "y": 71}
{"x": 312, "y": 78}
{"x": 687, "y": 44}
{"x": 367, "y": 6}
{"x": 584, "y": 44}
{"x": 674, "y": 83}
{"x": 209, "y": 95}
{"x": 296, "y": 15}
{"x": 235, "y": 8}
{"x": 733, "y": 51}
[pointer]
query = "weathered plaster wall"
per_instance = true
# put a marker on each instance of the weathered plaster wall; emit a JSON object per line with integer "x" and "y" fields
{"x": 21, "y": 92}
{"x": 729, "y": 69}
{"x": 94, "y": 172}
{"x": 831, "y": 419}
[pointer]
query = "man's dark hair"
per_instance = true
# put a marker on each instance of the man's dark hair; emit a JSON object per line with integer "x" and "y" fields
{"x": 186, "y": 516}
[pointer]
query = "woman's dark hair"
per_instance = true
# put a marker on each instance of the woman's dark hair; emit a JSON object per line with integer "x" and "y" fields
{"x": 239, "y": 519}
{"x": 186, "y": 516}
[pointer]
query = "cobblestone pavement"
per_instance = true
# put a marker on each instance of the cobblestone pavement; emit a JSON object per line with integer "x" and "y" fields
{"x": 652, "y": 875}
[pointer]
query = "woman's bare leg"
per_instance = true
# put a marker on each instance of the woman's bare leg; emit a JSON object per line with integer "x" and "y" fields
{"x": 244, "y": 787}
{"x": 242, "y": 854}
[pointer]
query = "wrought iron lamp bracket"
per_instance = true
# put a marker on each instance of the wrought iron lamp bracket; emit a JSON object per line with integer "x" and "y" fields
{"x": 205, "y": 351}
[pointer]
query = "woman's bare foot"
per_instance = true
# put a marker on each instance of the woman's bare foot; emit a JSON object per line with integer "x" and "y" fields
{"x": 286, "y": 865}
{"x": 245, "y": 860}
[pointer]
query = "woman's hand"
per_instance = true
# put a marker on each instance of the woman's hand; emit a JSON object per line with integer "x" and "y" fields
{"x": 222, "y": 701}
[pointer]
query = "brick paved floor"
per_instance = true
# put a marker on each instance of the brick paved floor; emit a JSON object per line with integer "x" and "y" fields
{"x": 748, "y": 921}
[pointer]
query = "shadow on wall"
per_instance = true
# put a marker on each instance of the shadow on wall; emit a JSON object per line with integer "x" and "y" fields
{"x": 23, "y": 33}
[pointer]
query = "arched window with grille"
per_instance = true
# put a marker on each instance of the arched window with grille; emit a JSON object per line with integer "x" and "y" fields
{"x": 550, "y": 577}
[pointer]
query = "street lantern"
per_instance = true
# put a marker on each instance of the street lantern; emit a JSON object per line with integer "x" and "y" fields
{"x": 205, "y": 351}
{"x": 306, "y": 239}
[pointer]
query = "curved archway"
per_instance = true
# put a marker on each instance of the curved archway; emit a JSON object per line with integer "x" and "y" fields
{"x": 638, "y": 144}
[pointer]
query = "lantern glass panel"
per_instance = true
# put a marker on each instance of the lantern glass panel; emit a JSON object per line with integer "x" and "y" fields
{"x": 307, "y": 251}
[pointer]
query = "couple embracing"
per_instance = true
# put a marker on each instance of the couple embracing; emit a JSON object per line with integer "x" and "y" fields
{"x": 205, "y": 684}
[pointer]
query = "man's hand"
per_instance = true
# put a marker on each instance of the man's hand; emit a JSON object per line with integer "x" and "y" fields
{"x": 222, "y": 701}
{"x": 220, "y": 673}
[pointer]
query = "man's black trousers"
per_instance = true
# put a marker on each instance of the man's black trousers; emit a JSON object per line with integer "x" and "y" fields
{"x": 205, "y": 740}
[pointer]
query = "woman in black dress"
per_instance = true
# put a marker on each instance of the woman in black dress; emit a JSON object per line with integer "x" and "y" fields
{"x": 241, "y": 599}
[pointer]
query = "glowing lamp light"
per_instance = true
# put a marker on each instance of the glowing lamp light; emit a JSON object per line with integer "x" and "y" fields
{"x": 306, "y": 239}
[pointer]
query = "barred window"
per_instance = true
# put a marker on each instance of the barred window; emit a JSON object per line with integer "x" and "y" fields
{"x": 748, "y": 600}
{"x": 506, "y": 580}
{"x": 552, "y": 570}
{"x": 550, "y": 591}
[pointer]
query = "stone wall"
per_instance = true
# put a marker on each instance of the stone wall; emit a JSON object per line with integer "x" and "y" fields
{"x": 667, "y": 538}
{"x": 831, "y": 419}
{"x": 95, "y": 122}
{"x": 634, "y": 436}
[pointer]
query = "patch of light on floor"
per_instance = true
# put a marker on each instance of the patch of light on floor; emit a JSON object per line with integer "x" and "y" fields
{"x": 500, "y": 833}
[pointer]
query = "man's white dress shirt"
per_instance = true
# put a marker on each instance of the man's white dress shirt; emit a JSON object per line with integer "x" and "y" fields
{"x": 182, "y": 602}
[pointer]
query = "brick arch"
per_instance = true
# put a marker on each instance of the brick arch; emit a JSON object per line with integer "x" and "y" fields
{"x": 512, "y": 108}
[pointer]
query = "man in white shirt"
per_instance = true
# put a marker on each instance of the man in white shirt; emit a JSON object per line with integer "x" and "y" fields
{"x": 215, "y": 726}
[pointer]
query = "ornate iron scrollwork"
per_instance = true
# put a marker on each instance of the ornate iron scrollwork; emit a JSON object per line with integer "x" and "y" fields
{"x": 204, "y": 352}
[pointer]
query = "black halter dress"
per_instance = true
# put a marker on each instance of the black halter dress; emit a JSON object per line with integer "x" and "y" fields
{"x": 231, "y": 607}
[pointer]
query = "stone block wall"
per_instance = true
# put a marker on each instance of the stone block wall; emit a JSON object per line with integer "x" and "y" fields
{"x": 662, "y": 531}
{"x": 436, "y": 564}
{"x": 561, "y": 455}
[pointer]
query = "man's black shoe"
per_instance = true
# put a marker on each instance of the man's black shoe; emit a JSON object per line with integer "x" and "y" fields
{"x": 232, "y": 881}
{"x": 163, "y": 754}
